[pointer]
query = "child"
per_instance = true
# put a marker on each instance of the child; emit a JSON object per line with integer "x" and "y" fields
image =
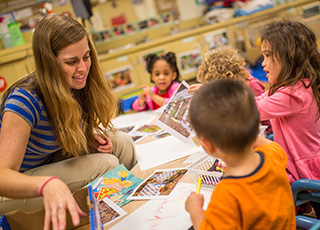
{"x": 164, "y": 73}
{"x": 228, "y": 63}
{"x": 292, "y": 63}
{"x": 254, "y": 192}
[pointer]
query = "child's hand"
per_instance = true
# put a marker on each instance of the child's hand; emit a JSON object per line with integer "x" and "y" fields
{"x": 193, "y": 88}
{"x": 194, "y": 202}
{"x": 142, "y": 99}
{"x": 146, "y": 89}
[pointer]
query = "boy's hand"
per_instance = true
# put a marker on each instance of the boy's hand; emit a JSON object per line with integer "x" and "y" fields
{"x": 193, "y": 202}
{"x": 194, "y": 206}
{"x": 193, "y": 88}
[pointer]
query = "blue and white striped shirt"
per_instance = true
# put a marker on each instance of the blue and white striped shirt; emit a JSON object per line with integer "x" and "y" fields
{"x": 42, "y": 141}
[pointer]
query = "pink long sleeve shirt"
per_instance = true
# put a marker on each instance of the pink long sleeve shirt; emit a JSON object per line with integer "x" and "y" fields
{"x": 293, "y": 115}
{"x": 150, "y": 103}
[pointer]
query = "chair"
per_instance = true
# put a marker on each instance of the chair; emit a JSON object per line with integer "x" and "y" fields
{"x": 303, "y": 191}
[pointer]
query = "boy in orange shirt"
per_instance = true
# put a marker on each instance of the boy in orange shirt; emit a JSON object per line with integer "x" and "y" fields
{"x": 254, "y": 192}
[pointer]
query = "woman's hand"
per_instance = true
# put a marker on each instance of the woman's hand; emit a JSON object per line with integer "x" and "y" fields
{"x": 57, "y": 199}
{"x": 102, "y": 145}
{"x": 193, "y": 88}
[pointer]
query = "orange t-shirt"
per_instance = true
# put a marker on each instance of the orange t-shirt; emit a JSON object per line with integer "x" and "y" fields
{"x": 260, "y": 200}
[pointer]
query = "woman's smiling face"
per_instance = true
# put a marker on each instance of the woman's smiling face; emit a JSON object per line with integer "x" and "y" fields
{"x": 75, "y": 62}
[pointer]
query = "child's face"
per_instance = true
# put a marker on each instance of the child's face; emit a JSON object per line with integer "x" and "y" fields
{"x": 271, "y": 66}
{"x": 162, "y": 75}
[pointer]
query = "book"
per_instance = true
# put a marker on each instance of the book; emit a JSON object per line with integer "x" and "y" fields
{"x": 117, "y": 185}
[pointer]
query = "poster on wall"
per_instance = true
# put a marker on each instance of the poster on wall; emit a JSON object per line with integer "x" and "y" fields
{"x": 216, "y": 39}
{"x": 118, "y": 31}
{"x": 130, "y": 28}
{"x": 158, "y": 52}
{"x": 154, "y": 22}
{"x": 189, "y": 61}
{"x": 121, "y": 78}
{"x": 164, "y": 6}
{"x": 106, "y": 35}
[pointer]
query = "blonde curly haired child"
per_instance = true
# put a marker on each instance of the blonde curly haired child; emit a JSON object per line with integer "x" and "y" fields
{"x": 224, "y": 63}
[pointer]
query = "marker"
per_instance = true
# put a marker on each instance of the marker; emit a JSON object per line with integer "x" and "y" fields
{"x": 199, "y": 185}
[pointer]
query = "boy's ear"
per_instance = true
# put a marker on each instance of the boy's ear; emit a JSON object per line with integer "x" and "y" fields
{"x": 207, "y": 146}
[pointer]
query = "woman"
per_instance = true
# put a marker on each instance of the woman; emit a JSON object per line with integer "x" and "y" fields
{"x": 50, "y": 121}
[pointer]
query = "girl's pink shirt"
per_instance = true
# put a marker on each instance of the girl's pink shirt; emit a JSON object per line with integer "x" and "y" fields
{"x": 293, "y": 115}
{"x": 149, "y": 102}
{"x": 257, "y": 87}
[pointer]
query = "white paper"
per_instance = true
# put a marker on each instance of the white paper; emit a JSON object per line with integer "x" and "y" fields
{"x": 164, "y": 150}
{"x": 194, "y": 157}
{"x": 138, "y": 118}
{"x": 164, "y": 214}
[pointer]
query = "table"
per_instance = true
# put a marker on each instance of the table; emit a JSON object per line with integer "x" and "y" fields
{"x": 135, "y": 204}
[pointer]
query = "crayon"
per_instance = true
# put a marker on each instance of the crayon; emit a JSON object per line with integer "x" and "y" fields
{"x": 199, "y": 185}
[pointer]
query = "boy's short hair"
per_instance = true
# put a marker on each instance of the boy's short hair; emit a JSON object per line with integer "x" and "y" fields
{"x": 224, "y": 113}
{"x": 222, "y": 63}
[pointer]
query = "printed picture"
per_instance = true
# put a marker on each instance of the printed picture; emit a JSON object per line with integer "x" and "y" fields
{"x": 217, "y": 39}
{"x": 143, "y": 25}
{"x": 166, "y": 18}
{"x": 116, "y": 185}
{"x": 130, "y": 28}
{"x": 147, "y": 130}
{"x": 189, "y": 61}
{"x": 174, "y": 118}
{"x": 159, "y": 185}
{"x": 162, "y": 135}
{"x": 118, "y": 31}
{"x": 126, "y": 129}
{"x": 121, "y": 78}
{"x": 311, "y": 10}
{"x": 106, "y": 35}
{"x": 158, "y": 52}
{"x": 154, "y": 22}
{"x": 109, "y": 211}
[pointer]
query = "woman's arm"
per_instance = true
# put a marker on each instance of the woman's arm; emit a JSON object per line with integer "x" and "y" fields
{"x": 14, "y": 136}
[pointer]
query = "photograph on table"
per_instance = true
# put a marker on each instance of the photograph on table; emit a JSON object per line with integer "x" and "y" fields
{"x": 163, "y": 134}
{"x": 159, "y": 185}
{"x": 109, "y": 211}
{"x": 189, "y": 61}
{"x": 174, "y": 118}
{"x": 121, "y": 78}
{"x": 148, "y": 129}
{"x": 116, "y": 184}
{"x": 217, "y": 39}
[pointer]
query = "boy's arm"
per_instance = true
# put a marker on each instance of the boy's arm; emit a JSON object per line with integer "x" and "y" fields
{"x": 193, "y": 206}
